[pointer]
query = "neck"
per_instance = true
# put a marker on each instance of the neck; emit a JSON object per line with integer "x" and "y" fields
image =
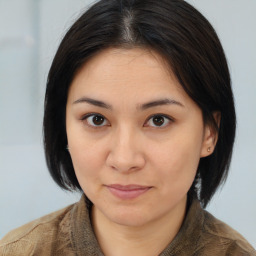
{"x": 149, "y": 239}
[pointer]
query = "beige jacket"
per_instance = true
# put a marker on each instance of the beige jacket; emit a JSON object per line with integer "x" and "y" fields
{"x": 69, "y": 232}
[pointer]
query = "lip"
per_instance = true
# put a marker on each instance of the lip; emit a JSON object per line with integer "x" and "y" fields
{"x": 130, "y": 191}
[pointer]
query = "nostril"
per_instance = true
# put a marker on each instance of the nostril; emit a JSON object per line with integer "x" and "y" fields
{"x": 128, "y": 164}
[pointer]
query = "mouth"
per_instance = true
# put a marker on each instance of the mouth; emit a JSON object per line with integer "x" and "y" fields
{"x": 126, "y": 192}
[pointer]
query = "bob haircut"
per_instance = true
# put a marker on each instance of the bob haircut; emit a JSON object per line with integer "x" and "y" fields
{"x": 184, "y": 38}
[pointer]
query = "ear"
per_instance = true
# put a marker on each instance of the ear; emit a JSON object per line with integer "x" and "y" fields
{"x": 210, "y": 136}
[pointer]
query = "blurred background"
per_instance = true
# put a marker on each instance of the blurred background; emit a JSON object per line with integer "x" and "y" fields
{"x": 30, "y": 32}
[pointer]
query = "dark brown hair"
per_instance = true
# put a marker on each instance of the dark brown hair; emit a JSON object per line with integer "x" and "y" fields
{"x": 189, "y": 44}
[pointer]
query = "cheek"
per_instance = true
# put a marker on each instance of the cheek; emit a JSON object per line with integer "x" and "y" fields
{"x": 177, "y": 161}
{"x": 84, "y": 150}
{"x": 87, "y": 167}
{"x": 86, "y": 161}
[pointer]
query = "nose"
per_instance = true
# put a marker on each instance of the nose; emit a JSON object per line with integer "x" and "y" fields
{"x": 125, "y": 153}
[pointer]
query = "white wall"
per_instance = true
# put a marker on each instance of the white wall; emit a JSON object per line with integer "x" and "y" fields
{"x": 30, "y": 32}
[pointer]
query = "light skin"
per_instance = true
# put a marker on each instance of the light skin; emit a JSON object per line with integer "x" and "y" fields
{"x": 135, "y": 138}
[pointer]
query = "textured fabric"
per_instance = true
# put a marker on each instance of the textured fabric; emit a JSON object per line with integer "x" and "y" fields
{"x": 69, "y": 232}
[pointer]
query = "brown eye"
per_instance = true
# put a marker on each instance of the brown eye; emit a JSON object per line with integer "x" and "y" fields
{"x": 98, "y": 120}
{"x": 95, "y": 120}
{"x": 158, "y": 121}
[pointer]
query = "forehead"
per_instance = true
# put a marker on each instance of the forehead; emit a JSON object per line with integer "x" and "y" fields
{"x": 122, "y": 72}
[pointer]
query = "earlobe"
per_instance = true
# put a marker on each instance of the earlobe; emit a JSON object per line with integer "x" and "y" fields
{"x": 210, "y": 136}
{"x": 208, "y": 142}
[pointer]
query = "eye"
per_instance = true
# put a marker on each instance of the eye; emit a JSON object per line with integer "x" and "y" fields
{"x": 158, "y": 121}
{"x": 95, "y": 120}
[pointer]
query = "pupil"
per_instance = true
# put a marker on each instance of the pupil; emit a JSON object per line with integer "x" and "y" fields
{"x": 158, "y": 120}
{"x": 98, "y": 120}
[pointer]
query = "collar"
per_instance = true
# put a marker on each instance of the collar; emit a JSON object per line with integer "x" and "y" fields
{"x": 82, "y": 235}
{"x": 190, "y": 232}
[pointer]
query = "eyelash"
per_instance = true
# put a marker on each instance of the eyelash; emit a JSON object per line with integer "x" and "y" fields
{"x": 166, "y": 118}
{"x": 87, "y": 116}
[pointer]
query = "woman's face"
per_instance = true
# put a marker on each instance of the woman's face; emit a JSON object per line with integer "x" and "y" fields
{"x": 135, "y": 137}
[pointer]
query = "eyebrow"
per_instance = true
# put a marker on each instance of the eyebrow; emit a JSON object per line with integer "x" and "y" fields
{"x": 160, "y": 102}
{"x": 144, "y": 106}
{"x": 94, "y": 102}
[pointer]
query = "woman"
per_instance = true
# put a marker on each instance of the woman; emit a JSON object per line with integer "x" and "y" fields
{"x": 139, "y": 116}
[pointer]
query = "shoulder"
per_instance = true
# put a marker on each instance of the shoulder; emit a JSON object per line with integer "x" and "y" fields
{"x": 221, "y": 236}
{"x": 36, "y": 234}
